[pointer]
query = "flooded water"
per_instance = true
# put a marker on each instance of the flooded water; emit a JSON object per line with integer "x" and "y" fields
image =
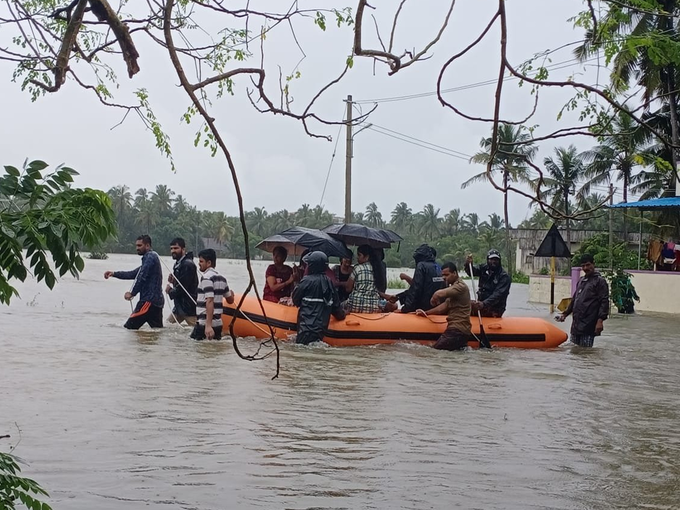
{"x": 114, "y": 419}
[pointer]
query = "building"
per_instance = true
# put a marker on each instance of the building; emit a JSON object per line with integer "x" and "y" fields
{"x": 528, "y": 241}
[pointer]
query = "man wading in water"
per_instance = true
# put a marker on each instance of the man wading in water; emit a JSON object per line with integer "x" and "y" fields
{"x": 148, "y": 284}
{"x": 182, "y": 284}
{"x": 456, "y": 306}
{"x": 589, "y": 306}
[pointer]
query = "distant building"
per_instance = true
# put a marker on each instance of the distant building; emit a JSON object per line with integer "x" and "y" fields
{"x": 528, "y": 240}
{"x": 220, "y": 248}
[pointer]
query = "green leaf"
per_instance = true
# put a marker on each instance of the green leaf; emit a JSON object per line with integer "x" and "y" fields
{"x": 12, "y": 171}
{"x": 37, "y": 165}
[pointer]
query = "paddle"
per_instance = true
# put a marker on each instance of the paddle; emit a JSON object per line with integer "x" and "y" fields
{"x": 483, "y": 340}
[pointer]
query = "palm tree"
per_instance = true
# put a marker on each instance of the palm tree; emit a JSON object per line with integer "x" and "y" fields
{"x": 538, "y": 220}
{"x": 513, "y": 151}
{"x": 180, "y": 205}
{"x": 564, "y": 172}
{"x": 620, "y": 153}
{"x": 147, "y": 216}
{"x": 429, "y": 222}
{"x": 401, "y": 217}
{"x": 282, "y": 220}
{"x": 452, "y": 221}
{"x": 141, "y": 197}
{"x": 257, "y": 220}
{"x": 162, "y": 198}
{"x": 598, "y": 220}
{"x": 471, "y": 222}
{"x": 635, "y": 62}
{"x": 303, "y": 215}
{"x": 488, "y": 238}
{"x": 358, "y": 218}
{"x": 320, "y": 217}
{"x": 656, "y": 182}
{"x": 121, "y": 198}
{"x": 373, "y": 217}
{"x": 221, "y": 228}
{"x": 495, "y": 222}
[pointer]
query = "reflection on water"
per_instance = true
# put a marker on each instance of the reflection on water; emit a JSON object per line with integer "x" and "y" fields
{"x": 118, "y": 419}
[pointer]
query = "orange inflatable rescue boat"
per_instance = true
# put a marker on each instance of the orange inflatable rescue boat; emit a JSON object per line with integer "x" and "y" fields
{"x": 389, "y": 328}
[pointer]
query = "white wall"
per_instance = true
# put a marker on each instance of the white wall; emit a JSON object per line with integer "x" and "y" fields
{"x": 539, "y": 288}
{"x": 659, "y": 291}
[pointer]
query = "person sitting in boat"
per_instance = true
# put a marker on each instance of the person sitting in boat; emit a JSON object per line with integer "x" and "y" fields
{"x": 427, "y": 279}
{"x": 363, "y": 285}
{"x": 342, "y": 273}
{"x": 494, "y": 285}
{"x": 317, "y": 298}
{"x": 279, "y": 277}
{"x": 454, "y": 302}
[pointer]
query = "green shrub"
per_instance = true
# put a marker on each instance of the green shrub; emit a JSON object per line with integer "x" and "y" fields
{"x": 598, "y": 247}
{"x": 519, "y": 277}
{"x": 396, "y": 283}
{"x": 14, "y": 488}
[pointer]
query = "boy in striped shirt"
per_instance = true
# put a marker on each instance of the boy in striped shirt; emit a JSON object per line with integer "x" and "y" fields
{"x": 211, "y": 289}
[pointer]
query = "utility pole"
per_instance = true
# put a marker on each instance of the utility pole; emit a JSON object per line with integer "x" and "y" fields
{"x": 348, "y": 163}
{"x": 611, "y": 226}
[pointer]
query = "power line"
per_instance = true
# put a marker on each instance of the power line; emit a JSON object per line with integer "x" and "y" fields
{"x": 422, "y": 141}
{"x": 330, "y": 165}
{"x": 447, "y": 152}
{"x": 552, "y": 67}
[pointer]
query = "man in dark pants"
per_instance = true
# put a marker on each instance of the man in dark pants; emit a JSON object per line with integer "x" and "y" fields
{"x": 454, "y": 302}
{"x": 589, "y": 305}
{"x": 183, "y": 283}
{"x": 494, "y": 285}
{"x": 148, "y": 283}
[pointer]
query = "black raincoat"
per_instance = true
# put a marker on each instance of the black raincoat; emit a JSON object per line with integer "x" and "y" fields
{"x": 317, "y": 298}
{"x": 590, "y": 303}
{"x": 427, "y": 280}
{"x": 184, "y": 270}
{"x": 494, "y": 288}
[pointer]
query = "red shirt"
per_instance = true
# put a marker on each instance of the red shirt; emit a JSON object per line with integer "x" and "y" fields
{"x": 281, "y": 275}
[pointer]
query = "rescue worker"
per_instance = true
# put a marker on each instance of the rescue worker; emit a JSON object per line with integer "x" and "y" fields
{"x": 589, "y": 306}
{"x": 494, "y": 285}
{"x": 182, "y": 284}
{"x": 427, "y": 279}
{"x": 454, "y": 302}
{"x": 317, "y": 298}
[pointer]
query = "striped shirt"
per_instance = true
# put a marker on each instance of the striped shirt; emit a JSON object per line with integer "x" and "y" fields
{"x": 212, "y": 285}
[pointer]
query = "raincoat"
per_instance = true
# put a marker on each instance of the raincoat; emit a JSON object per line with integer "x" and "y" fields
{"x": 427, "y": 280}
{"x": 317, "y": 298}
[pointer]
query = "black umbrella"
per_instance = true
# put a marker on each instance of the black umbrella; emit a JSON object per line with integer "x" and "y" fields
{"x": 298, "y": 239}
{"x": 356, "y": 235}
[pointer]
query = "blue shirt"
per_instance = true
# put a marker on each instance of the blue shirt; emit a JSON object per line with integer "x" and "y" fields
{"x": 149, "y": 283}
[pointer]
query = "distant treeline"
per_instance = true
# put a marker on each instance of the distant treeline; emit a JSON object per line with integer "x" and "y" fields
{"x": 165, "y": 215}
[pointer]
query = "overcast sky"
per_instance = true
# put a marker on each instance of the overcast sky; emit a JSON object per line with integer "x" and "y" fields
{"x": 278, "y": 164}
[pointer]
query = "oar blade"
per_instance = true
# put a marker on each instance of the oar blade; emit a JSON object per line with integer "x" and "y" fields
{"x": 483, "y": 339}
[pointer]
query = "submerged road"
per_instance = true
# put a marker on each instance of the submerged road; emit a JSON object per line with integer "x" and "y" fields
{"x": 114, "y": 419}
